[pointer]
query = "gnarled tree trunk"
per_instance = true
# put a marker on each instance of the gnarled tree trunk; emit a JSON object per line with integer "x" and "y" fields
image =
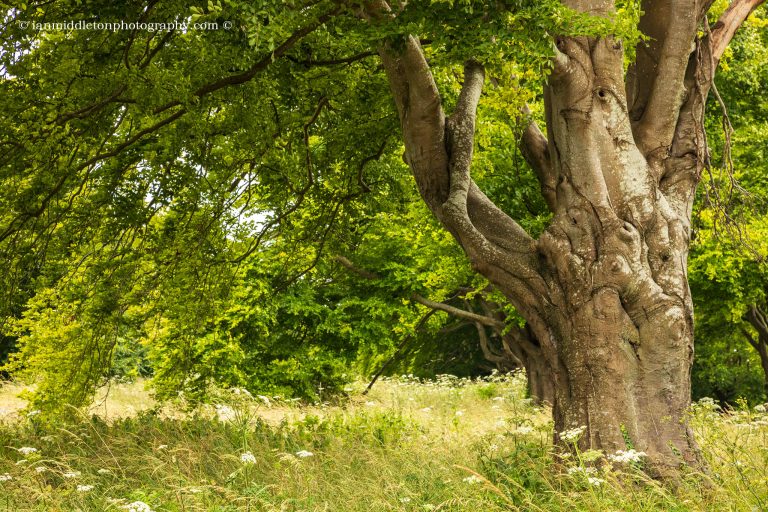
{"x": 604, "y": 289}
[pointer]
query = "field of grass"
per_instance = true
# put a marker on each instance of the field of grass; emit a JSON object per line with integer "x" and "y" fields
{"x": 448, "y": 445}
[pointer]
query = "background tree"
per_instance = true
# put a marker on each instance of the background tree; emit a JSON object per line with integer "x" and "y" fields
{"x": 727, "y": 267}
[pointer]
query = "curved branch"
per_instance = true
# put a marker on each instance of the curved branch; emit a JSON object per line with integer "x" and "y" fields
{"x": 729, "y": 22}
{"x": 458, "y": 313}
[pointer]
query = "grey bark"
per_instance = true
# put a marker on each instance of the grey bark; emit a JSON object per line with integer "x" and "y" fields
{"x": 604, "y": 289}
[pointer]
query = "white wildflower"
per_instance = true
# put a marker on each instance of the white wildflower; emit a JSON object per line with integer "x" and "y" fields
{"x": 524, "y": 429}
{"x": 224, "y": 413}
{"x": 41, "y": 469}
{"x": 427, "y": 409}
{"x": 627, "y": 456}
{"x": 370, "y": 404}
{"x": 459, "y": 413}
{"x": 593, "y": 480}
{"x": 495, "y": 407}
{"x": 405, "y": 499}
{"x": 5, "y": 477}
{"x": 498, "y": 399}
{"x": 581, "y": 469}
{"x": 264, "y": 399}
{"x": 162, "y": 447}
{"x": 573, "y": 434}
{"x": 26, "y": 450}
{"x": 137, "y": 506}
{"x": 71, "y": 474}
{"x": 247, "y": 458}
{"x": 84, "y": 488}
{"x": 760, "y": 408}
{"x": 473, "y": 479}
{"x": 241, "y": 391}
{"x": 32, "y": 414}
{"x": 104, "y": 471}
{"x": 304, "y": 454}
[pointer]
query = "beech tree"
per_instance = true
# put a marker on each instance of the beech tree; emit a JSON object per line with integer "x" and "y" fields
{"x": 141, "y": 168}
{"x": 605, "y": 287}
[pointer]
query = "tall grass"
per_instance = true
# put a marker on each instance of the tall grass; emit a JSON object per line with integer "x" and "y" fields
{"x": 449, "y": 445}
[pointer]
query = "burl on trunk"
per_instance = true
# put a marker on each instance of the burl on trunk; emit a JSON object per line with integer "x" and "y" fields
{"x": 604, "y": 289}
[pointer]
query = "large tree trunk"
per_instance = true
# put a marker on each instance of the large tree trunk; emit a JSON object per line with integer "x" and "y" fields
{"x": 604, "y": 289}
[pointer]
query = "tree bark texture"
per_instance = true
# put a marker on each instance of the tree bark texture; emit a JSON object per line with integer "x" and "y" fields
{"x": 604, "y": 289}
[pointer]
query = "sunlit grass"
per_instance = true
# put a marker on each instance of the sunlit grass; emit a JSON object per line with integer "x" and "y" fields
{"x": 407, "y": 446}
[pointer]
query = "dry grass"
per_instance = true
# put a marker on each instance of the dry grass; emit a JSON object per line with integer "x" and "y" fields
{"x": 408, "y": 446}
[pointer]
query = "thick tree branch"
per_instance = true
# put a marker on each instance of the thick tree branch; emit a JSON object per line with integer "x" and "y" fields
{"x": 656, "y": 81}
{"x": 728, "y": 23}
{"x": 439, "y": 154}
{"x": 535, "y": 149}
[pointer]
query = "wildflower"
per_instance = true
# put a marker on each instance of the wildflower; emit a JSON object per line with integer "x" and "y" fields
{"x": 137, "y": 506}
{"x": 760, "y": 408}
{"x": 473, "y": 479}
{"x": 247, "y": 458}
{"x": 224, "y": 413}
{"x": 264, "y": 399}
{"x": 498, "y": 399}
{"x": 627, "y": 456}
{"x": 32, "y": 414}
{"x": 573, "y": 434}
{"x": 5, "y": 477}
{"x": 580, "y": 469}
{"x": 495, "y": 407}
{"x": 459, "y": 413}
{"x": 405, "y": 499}
{"x": 162, "y": 447}
{"x": 104, "y": 471}
{"x": 427, "y": 409}
{"x": 524, "y": 429}
{"x": 241, "y": 391}
{"x": 593, "y": 480}
{"x": 71, "y": 474}
{"x": 304, "y": 454}
{"x": 41, "y": 469}
{"x": 370, "y": 404}
{"x": 84, "y": 488}
{"x": 26, "y": 450}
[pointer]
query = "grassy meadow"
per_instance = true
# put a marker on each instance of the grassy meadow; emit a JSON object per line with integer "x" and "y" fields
{"x": 448, "y": 445}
